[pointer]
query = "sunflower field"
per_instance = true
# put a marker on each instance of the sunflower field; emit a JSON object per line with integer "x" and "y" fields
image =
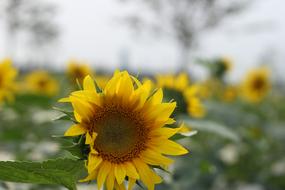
{"x": 82, "y": 129}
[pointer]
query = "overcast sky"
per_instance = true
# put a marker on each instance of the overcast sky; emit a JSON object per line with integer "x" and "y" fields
{"x": 90, "y": 30}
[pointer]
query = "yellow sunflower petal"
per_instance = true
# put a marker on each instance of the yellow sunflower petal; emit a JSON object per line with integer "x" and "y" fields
{"x": 156, "y": 178}
{"x": 145, "y": 173}
{"x": 103, "y": 173}
{"x": 170, "y": 121}
{"x": 110, "y": 180}
{"x": 125, "y": 86}
{"x": 141, "y": 94}
{"x": 162, "y": 111}
{"x": 131, "y": 170}
{"x": 120, "y": 173}
{"x": 157, "y": 97}
{"x": 88, "y": 96}
{"x": 165, "y": 132}
{"x": 93, "y": 151}
{"x": 88, "y": 83}
{"x": 82, "y": 108}
{"x": 169, "y": 147}
{"x": 75, "y": 130}
{"x": 154, "y": 158}
{"x": 77, "y": 117}
{"x": 111, "y": 86}
{"x": 93, "y": 162}
{"x": 90, "y": 138}
{"x": 64, "y": 100}
{"x": 120, "y": 187}
{"x": 137, "y": 82}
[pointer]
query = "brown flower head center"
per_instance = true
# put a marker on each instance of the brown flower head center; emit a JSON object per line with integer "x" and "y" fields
{"x": 1, "y": 79}
{"x": 121, "y": 133}
{"x": 43, "y": 83}
{"x": 78, "y": 73}
{"x": 259, "y": 83}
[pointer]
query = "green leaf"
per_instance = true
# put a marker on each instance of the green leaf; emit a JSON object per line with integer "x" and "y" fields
{"x": 63, "y": 117}
{"x": 79, "y": 85}
{"x": 179, "y": 136}
{"x": 78, "y": 148}
{"x": 98, "y": 88}
{"x": 162, "y": 169}
{"x": 65, "y": 141}
{"x": 75, "y": 150}
{"x": 62, "y": 171}
{"x": 213, "y": 127}
{"x": 68, "y": 115}
{"x": 63, "y": 111}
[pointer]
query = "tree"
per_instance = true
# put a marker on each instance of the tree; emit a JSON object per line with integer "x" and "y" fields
{"x": 31, "y": 18}
{"x": 184, "y": 20}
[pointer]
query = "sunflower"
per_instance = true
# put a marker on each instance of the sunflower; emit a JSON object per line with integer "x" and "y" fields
{"x": 40, "y": 82}
{"x": 179, "y": 82}
{"x": 256, "y": 85}
{"x": 211, "y": 88}
{"x": 77, "y": 70}
{"x": 7, "y": 80}
{"x": 193, "y": 98}
{"x": 124, "y": 125}
{"x": 187, "y": 96}
{"x": 230, "y": 93}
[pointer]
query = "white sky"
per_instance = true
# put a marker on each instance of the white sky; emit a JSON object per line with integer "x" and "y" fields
{"x": 90, "y": 31}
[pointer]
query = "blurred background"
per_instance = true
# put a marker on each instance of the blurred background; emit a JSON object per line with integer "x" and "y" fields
{"x": 150, "y": 35}
{"x": 206, "y": 54}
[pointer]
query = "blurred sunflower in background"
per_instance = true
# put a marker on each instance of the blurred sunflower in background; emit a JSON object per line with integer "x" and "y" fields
{"x": 41, "y": 83}
{"x": 187, "y": 96}
{"x": 125, "y": 127}
{"x": 211, "y": 88}
{"x": 193, "y": 96}
{"x": 77, "y": 70}
{"x": 179, "y": 82}
{"x": 256, "y": 85}
{"x": 230, "y": 93}
{"x": 8, "y": 75}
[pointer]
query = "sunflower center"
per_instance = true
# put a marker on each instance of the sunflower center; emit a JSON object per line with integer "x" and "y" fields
{"x": 43, "y": 83}
{"x": 121, "y": 134}
{"x": 1, "y": 80}
{"x": 258, "y": 83}
{"x": 78, "y": 73}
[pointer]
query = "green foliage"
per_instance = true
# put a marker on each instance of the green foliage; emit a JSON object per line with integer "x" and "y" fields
{"x": 67, "y": 115}
{"x": 76, "y": 146}
{"x": 212, "y": 127}
{"x": 58, "y": 172}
